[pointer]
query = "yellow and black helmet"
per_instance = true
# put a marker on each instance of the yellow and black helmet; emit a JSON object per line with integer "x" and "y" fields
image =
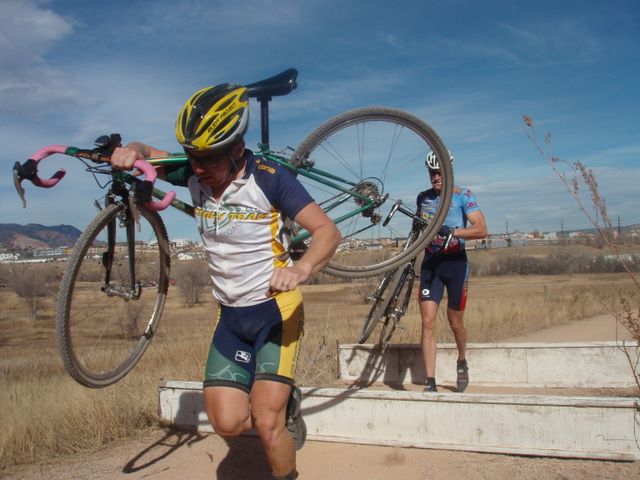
{"x": 214, "y": 118}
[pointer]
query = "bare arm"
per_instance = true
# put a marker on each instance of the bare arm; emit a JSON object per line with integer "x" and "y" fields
{"x": 325, "y": 239}
{"x": 476, "y": 230}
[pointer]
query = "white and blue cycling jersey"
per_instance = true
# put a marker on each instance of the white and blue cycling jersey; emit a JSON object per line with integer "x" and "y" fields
{"x": 244, "y": 232}
{"x": 463, "y": 202}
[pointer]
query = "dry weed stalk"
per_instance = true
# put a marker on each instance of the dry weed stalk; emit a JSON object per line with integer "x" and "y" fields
{"x": 578, "y": 176}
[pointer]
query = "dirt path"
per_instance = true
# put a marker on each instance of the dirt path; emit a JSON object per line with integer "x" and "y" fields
{"x": 169, "y": 456}
{"x": 596, "y": 329}
{"x": 163, "y": 456}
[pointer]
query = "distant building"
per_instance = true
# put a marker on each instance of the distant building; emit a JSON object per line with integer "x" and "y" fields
{"x": 182, "y": 242}
{"x": 50, "y": 252}
{"x": 9, "y": 257}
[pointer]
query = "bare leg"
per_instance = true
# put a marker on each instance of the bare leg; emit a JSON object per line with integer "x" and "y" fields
{"x": 459, "y": 331}
{"x": 268, "y": 412}
{"x": 429, "y": 311}
{"x": 460, "y": 334}
{"x": 231, "y": 413}
{"x": 228, "y": 410}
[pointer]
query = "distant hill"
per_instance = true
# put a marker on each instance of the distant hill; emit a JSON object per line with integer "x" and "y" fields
{"x": 625, "y": 228}
{"x": 34, "y": 235}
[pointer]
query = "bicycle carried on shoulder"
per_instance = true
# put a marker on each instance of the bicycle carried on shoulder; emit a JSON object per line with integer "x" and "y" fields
{"x": 356, "y": 166}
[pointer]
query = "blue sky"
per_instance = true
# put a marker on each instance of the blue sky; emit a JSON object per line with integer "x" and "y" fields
{"x": 73, "y": 70}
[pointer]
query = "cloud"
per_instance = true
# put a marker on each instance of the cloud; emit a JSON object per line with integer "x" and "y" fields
{"x": 224, "y": 20}
{"x": 28, "y": 32}
{"x": 562, "y": 40}
{"x": 30, "y": 84}
{"x": 511, "y": 44}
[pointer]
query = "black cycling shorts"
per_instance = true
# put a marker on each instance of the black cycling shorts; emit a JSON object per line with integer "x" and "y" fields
{"x": 450, "y": 271}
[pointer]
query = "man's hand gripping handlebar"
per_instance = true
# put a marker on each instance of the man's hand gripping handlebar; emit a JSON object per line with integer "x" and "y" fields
{"x": 29, "y": 170}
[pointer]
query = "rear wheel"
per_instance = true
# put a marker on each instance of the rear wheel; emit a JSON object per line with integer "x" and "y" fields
{"x": 380, "y": 153}
{"x": 105, "y": 323}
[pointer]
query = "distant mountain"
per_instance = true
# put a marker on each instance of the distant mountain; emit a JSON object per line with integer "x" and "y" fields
{"x": 34, "y": 235}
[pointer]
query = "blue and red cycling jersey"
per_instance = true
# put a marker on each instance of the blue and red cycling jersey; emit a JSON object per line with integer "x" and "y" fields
{"x": 463, "y": 202}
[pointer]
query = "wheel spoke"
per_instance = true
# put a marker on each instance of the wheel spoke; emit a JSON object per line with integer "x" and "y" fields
{"x": 101, "y": 335}
{"x": 382, "y": 151}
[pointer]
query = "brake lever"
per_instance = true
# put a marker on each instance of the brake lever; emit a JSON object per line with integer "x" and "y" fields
{"x": 447, "y": 241}
{"x": 17, "y": 182}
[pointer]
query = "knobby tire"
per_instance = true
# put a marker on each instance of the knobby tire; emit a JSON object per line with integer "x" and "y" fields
{"x": 101, "y": 337}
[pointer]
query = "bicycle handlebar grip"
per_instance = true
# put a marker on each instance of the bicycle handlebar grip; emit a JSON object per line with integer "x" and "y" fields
{"x": 150, "y": 174}
{"x": 145, "y": 167}
{"x": 42, "y": 154}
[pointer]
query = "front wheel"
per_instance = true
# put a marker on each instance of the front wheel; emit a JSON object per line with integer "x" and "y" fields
{"x": 380, "y": 301}
{"x": 368, "y": 160}
{"x": 392, "y": 320}
{"x": 112, "y": 295}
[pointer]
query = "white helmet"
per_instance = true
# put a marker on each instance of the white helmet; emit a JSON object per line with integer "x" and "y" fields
{"x": 432, "y": 163}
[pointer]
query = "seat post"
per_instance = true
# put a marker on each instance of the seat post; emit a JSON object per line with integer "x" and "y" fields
{"x": 264, "y": 120}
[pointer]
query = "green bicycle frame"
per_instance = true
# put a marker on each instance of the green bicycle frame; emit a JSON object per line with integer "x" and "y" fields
{"x": 344, "y": 187}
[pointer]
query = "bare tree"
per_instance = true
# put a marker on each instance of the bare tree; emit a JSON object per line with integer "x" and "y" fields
{"x": 580, "y": 182}
{"x": 32, "y": 283}
{"x": 191, "y": 277}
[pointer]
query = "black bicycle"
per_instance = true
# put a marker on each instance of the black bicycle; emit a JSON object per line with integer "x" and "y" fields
{"x": 391, "y": 299}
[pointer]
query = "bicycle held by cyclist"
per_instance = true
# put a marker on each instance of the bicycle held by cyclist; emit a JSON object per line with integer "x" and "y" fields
{"x": 356, "y": 166}
{"x": 242, "y": 202}
{"x": 445, "y": 266}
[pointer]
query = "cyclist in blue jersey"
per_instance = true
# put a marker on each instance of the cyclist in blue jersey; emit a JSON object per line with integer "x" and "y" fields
{"x": 445, "y": 266}
{"x": 242, "y": 206}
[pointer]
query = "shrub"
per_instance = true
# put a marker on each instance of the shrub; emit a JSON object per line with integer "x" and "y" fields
{"x": 191, "y": 279}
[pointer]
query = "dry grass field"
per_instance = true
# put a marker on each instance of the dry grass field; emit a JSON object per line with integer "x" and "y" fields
{"x": 46, "y": 414}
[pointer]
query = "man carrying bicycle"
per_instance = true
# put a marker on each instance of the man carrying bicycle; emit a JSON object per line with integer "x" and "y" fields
{"x": 445, "y": 265}
{"x": 241, "y": 202}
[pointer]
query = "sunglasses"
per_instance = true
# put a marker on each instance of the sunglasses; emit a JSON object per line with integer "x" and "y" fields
{"x": 433, "y": 173}
{"x": 207, "y": 160}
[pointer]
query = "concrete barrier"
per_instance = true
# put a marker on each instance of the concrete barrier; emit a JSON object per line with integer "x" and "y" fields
{"x": 532, "y": 365}
{"x": 578, "y": 427}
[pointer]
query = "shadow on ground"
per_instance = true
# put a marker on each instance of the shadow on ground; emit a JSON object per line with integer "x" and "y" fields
{"x": 245, "y": 458}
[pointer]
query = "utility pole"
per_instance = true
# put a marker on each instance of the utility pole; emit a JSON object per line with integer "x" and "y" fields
{"x": 619, "y": 230}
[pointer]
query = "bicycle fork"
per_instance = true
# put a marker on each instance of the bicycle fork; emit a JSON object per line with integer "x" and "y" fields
{"x": 400, "y": 305}
{"x": 132, "y": 289}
